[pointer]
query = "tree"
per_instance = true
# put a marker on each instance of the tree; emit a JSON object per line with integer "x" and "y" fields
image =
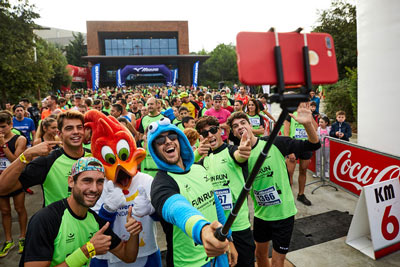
{"x": 221, "y": 66}
{"x": 16, "y": 46}
{"x": 21, "y": 73}
{"x": 76, "y": 50}
{"x": 340, "y": 21}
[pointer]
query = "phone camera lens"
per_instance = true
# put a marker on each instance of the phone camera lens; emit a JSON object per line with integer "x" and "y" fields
{"x": 328, "y": 42}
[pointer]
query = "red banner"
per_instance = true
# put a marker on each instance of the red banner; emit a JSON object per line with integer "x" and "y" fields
{"x": 80, "y": 74}
{"x": 355, "y": 167}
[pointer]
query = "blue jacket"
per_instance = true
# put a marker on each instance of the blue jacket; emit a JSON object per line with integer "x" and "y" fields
{"x": 343, "y": 127}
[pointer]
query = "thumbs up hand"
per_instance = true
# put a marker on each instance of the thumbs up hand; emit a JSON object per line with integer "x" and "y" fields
{"x": 141, "y": 204}
{"x": 204, "y": 146}
{"x": 100, "y": 241}
{"x": 132, "y": 226}
{"x": 114, "y": 198}
{"x": 245, "y": 146}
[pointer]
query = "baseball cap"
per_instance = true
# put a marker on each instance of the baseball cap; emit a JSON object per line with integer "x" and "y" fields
{"x": 183, "y": 94}
{"x": 217, "y": 97}
{"x": 86, "y": 164}
{"x": 78, "y": 96}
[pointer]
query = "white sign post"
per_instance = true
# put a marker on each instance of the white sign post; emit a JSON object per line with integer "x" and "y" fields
{"x": 375, "y": 228}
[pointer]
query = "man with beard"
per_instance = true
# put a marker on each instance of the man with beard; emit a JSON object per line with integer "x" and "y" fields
{"x": 68, "y": 232}
{"x": 183, "y": 196}
{"x": 153, "y": 115}
{"x": 50, "y": 168}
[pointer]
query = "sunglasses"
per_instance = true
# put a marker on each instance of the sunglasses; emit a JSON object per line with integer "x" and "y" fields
{"x": 213, "y": 130}
{"x": 161, "y": 139}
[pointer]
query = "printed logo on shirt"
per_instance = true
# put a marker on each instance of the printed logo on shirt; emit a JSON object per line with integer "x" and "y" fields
{"x": 187, "y": 187}
{"x": 204, "y": 200}
{"x": 224, "y": 161}
{"x": 266, "y": 171}
{"x": 70, "y": 238}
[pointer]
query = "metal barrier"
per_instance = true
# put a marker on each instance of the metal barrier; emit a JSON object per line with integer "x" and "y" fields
{"x": 324, "y": 180}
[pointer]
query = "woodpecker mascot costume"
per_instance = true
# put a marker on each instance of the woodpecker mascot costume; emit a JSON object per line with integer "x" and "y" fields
{"x": 115, "y": 147}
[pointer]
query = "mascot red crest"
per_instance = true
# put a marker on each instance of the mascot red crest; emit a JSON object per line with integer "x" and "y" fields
{"x": 115, "y": 147}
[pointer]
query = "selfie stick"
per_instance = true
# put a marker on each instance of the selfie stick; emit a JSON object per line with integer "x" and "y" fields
{"x": 288, "y": 103}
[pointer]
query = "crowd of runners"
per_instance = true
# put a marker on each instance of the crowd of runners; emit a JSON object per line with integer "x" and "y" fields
{"x": 200, "y": 145}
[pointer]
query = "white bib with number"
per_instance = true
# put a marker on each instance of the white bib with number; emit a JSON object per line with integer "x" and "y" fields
{"x": 225, "y": 197}
{"x": 4, "y": 163}
{"x": 300, "y": 134}
{"x": 267, "y": 197}
{"x": 255, "y": 121}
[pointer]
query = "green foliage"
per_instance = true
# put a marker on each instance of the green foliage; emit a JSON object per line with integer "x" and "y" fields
{"x": 16, "y": 46}
{"x": 343, "y": 96}
{"x": 20, "y": 74}
{"x": 75, "y": 50}
{"x": 340, "y": 22}
{"x": 221, "y": 66}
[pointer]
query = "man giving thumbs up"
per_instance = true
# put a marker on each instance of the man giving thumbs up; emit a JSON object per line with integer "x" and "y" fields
{"x": 226, "y": 167}
{"x": 66, "y": 233}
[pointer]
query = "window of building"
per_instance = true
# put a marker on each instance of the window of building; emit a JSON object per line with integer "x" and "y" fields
{"x": 145, "y": 47}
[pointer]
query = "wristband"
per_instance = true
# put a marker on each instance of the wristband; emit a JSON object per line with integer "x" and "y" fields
{"x": 23, "y": 159}
{"x": 90, "y": 249}
{"x": 77, "y": 258}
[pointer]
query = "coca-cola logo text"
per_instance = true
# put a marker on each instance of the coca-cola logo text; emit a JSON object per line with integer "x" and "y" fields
{"x": 361, "y": 175}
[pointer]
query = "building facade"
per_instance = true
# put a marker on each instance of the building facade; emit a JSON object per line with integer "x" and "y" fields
{"x": 115, "y": 44}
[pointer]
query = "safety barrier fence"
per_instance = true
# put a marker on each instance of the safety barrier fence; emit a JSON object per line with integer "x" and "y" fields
{"x": 352, "y": 166}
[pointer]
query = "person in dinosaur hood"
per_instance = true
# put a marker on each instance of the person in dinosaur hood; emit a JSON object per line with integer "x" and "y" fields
{"x": 183, "y": 196}
{"x": 115, "y": 147}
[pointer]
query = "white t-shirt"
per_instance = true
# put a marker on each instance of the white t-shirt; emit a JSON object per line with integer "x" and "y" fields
{"x": 147, "y": 238}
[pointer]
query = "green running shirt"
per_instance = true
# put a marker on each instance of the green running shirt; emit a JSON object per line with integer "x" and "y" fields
{"x": 227, "y": 178}
{"x": 52, "y": 173}
{"x": 271, "y": 191}
{"x": 55, "y": 232}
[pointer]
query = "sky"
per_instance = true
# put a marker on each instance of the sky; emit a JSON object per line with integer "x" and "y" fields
{"x": 211, "y": 22}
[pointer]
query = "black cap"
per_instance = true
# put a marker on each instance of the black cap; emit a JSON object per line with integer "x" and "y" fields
{"x": 77, "y": 96}
{"x": 217, "y": 97}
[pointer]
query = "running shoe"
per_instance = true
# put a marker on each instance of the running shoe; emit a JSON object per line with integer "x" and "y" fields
{"x": 21, "y": 245}
{"x": 302, "y": 198}
{"x": 8, "y": 245}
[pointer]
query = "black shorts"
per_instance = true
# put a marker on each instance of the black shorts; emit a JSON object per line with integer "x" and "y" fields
{"x": 304, "y": 155}
{"x": 13, "y": 194}
{"x": 280, "y": 232}
{"x": 244, "y": 244}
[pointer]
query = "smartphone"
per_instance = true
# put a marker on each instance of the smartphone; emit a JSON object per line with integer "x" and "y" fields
{"x": 256, "y": 60}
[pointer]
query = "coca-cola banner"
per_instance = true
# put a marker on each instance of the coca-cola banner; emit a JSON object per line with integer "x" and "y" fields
{"x": 353, "y": 167}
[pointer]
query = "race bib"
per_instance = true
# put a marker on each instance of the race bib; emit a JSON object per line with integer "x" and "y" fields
{"x": 267, "y": 197}
{"x": 254, "y": 121}
{"x": 300, "y": 134}
{"x": 4, "y": 163}
{"x": 225, "y": 197}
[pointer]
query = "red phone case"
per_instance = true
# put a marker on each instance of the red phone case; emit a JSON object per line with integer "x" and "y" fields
{"x": 256, "y": 60}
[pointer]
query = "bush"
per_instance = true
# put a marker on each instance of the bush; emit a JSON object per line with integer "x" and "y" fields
{"x": 343, "y": 96}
